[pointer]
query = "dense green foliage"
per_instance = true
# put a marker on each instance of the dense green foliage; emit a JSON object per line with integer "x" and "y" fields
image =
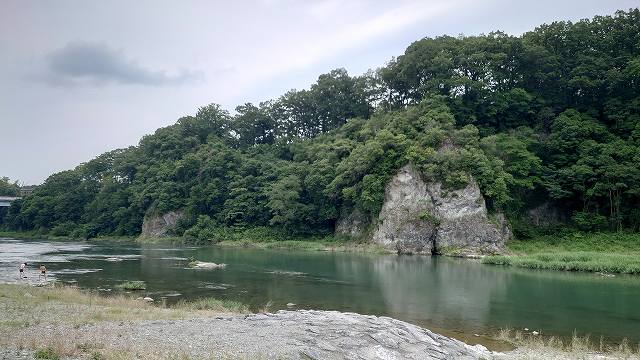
{"x": 549, "y": 116}
{"x": 7, "y": 188}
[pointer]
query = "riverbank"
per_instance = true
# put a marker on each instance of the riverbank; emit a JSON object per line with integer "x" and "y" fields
{"x": 57, "y": 322}
{"x": 46, "y": 236}
{"x": 66, "y": 323}
{"x": 606, "y": 253}
{"x": 250, "y": 238}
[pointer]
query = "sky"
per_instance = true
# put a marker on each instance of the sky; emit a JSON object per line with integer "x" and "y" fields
{"x": 78, "y": 77}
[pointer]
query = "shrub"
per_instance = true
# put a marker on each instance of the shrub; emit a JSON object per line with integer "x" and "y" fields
{"x": 586, "y": 221}
{"x": 63, "y": 229}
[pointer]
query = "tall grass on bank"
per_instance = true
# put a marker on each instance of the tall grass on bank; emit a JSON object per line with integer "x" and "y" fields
{"x": 211, "y": 304}
{"x": 598, "y": 252}
{"x": 577, "y": 347}
{"x": 620, "y": 243}
{"x": 571, "y": 261}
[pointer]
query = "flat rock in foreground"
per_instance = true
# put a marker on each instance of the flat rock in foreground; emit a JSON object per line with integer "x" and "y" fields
{"x": 303, "y": 334}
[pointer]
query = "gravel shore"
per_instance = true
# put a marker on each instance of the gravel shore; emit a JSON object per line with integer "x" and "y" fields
{"x": 284, "y": 335}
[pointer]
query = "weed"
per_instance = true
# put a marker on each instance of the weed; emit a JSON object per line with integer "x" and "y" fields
{"x": 46, "y": 353}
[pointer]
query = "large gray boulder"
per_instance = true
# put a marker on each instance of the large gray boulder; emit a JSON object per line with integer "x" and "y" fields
{"x": 159, "y": 225}
{"x": 406, "y": 223}
{"x": 424, "y": 218}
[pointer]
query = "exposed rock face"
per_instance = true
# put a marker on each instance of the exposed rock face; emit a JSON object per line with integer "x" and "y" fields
{"x": 351, "y": 223}
{"x": 417, "y": 217}
{"x": 159, "y": 225}
{"x": 404, "y": 223}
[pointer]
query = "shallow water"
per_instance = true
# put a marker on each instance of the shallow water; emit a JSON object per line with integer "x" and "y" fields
{"x": 454, "y": 296}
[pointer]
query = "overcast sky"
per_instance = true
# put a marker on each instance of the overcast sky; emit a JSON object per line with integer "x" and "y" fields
{"x": 78, "y": 78}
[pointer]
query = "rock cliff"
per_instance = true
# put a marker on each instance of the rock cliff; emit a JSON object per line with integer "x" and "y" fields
{"x": 160, "y": 225}
{"x": 424, "y": 218}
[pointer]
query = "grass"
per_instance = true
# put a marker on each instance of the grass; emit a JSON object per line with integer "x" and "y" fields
{"x": 46, "y": 353}
{"x": 132, "y": 285}
{"x": 531, "y": 346}
{"x": 211, "y": 304}
{"x": 62, "y": 311}
{"x": 600, "y": 252}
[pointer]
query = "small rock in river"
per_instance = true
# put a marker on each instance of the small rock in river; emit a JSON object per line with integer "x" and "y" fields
{"x": 534, "y": 333}
{"x": 206, "y": 265}
{"x": 148, "y": 299}
{"x": 291, "y": 304}
{"x": 526, "y": 329}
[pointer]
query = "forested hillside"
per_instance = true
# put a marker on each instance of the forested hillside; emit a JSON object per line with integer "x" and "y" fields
{"x": 552, "y": 116}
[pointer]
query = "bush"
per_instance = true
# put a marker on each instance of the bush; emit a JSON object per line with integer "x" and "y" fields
{"x": 64, "y": 229}
{"x": 586, "y": 221}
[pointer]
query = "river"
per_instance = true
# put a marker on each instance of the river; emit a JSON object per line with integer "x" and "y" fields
{"x": 457, "y": 297}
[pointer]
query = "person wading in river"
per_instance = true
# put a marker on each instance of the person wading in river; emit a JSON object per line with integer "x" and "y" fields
{"x": 23, "y": 271}
{"x": 43, "y": 272}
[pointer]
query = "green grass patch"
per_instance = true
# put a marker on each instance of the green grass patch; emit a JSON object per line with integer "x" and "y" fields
{"x": 133, "y": 285}
{"x": 571, "y": 261}
{"x": 46, "y": 353}
{"x": 587, "y": 242}
{"x": 597, "y": 252}
{"x": 212, "y": 304}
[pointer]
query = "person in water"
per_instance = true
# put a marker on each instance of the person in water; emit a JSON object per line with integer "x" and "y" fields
{"x": 23, "y": 271}
{"x": 43, "y": 272}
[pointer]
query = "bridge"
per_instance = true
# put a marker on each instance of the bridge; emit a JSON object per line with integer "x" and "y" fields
{"x": 5, "y": 201}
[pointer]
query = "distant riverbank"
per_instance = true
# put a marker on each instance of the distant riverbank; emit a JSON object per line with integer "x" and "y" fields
{"x": 606, "y": 253}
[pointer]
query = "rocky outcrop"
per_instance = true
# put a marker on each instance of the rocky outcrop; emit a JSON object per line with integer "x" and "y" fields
{"x": 160, "y": 225}
{"x": 352, "y": 223}
{"x": 424, "y": 218}
{"x": 406, "y": 222}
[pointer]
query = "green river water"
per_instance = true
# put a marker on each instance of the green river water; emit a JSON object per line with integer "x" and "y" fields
{"x": 457, "y": 297}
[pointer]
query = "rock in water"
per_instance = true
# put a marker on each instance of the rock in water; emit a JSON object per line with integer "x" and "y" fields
{"x": 424, "y": 218}
{"x": 206, "y": 265}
